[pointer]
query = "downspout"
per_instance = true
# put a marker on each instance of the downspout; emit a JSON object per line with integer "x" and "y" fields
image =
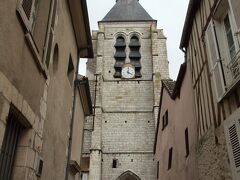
{"x": 69, "y": 148}
{"x": 95, "y": 96}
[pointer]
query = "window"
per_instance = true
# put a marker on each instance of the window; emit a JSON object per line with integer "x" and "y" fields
{"x": 170, "y": 158}
{"x": 120, "y": 56}
{"x": 165, "y": 120}
{"x": 223, "y": 49}
{"x": 27, "y": 10}
{"x": 187, "y": 142}
{"x": 9, "y": 145}
{"x": 70, "y": 71}
{"x": 55, "y": 59}
{"x": 157, "y": 169}
{"x": 229, "y": 35}
{"x": 135, "y": 55}
{"x": 114, "y": 163}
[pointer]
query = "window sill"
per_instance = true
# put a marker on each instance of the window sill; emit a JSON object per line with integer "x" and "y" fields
{"x": 34, "y": 50}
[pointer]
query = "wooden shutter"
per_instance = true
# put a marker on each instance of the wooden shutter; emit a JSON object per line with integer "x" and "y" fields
{"x": 235, "y": 4}
{"x": 232, "y": 132}
{"x": 215, "y": 61}
{"x": 50, "y": 33}
{"x": 27, "y": 11}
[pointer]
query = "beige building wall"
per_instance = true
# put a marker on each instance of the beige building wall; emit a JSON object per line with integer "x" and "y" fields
{"x": 37, "y": 83}
{"x": 180, "y": 117}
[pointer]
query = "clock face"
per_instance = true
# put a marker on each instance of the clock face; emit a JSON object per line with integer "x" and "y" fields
{"x": 128, "y": 72}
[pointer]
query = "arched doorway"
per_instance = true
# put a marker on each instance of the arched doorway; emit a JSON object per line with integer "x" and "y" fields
{"x": 128, "y": 175}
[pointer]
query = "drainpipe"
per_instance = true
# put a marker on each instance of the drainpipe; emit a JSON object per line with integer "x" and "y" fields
{"x": 95, "y": 96}
{"x": 69, "y": 148}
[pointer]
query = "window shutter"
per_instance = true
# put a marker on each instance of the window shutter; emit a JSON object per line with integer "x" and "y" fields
{"x": 235, "y": 4}
{"x": 232, "y": 130}
{"x": 27, "y": 11}
{"x": 215, "y": 62}
{"x": 50, "y": 33}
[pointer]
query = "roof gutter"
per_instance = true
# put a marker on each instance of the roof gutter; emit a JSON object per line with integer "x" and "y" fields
{"x": 191, "y": 12}
{"x": 87, "y": 27}
{"x": 80, "y": 21}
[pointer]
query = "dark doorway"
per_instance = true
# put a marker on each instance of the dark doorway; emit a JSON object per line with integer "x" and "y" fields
{"x": 9, "y": 145}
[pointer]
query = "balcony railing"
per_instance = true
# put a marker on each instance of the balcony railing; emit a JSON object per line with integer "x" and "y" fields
{"x": 234, "y": 66}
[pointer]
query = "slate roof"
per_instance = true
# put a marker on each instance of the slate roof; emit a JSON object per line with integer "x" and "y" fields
{"x": 127, "y": 10}
{"x": 169, "y": 84}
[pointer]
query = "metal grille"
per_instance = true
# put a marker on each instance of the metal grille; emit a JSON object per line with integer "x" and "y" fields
{"x": 9, "y": 145}
{"x": 235, "y": 144}
{"x": 27, "y": 7}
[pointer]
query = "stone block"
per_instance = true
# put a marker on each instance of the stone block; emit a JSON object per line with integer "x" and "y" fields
{"x": 19, "y": 102}
{"x": 2, "y": 132}
{"x": 25, "y": 108}
{"x": 4, "y": 108}
{"x": 27, "y": 138}
{"x": 19, "y": 173}
{"x": 6, "y": 87}
{"x": 25, "y": 157}
{"x": 36, "y": 123}
{"x": 30, "y": 115}
{"x": 38, "y": 143}
{"x": 14, "y": 96}
{"x": 40, "y": 127}
{"x": 43, "y": 108}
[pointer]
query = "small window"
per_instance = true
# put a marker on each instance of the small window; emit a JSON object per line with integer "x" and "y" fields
{"x": 70, "y": 71}
{"x": 170, "y": 158}
{"x": 165, "y": 120}
{"x": 114, "y": 164}
{"x": 120, "y": 56}
{"x": 55, "y": 59}
{"x": 157, "y": 169}
{"x": 39, "y": 167}
{"x": 187, "y": 142}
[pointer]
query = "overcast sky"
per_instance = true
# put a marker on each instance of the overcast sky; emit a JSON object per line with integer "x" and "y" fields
{"x": 170, "y": 15}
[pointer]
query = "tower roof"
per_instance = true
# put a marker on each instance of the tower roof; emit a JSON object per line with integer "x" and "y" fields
{"x": 127, "y": 10}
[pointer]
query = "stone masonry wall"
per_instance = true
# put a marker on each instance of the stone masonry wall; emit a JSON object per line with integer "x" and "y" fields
{"x": 124, "y": 122}
{"x": 212, "y": 156}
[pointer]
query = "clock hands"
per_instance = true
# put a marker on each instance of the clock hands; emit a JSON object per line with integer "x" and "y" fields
{"x": 129, "y": 71}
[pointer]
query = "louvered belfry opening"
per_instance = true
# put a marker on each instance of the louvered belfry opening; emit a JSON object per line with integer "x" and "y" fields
{"x": 119, "y": 56}
{"x": 235, "y": 144}
{"x": 135, "y": 55}
{"x": 9, "y": 145}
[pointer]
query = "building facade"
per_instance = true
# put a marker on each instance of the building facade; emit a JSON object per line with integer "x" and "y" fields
{"x": 210, "y": 41}
{"x": 40, "y": 46}
{"x": 176, "y": 137}
{"x": 130, "y": 59}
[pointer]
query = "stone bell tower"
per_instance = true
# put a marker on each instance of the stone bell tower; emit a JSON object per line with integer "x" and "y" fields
{"x": 130, "y": 59}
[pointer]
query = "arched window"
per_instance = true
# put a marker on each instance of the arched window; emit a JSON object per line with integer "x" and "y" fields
{"x": 119, "y": 56}
{"x": 135, "y": 55}
{"x": 70, "y": 71}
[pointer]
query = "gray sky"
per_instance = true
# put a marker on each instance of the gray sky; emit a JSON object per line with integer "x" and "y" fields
{"x": 170, "y": 15}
